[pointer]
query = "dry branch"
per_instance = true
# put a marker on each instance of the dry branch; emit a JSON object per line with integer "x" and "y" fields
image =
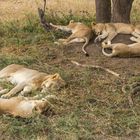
{"x": 97, "y": 67}
{"x": 43, "y": 21}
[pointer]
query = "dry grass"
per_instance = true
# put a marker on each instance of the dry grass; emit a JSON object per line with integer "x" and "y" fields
{"x": 74, "y": 5}
{"x": 17, "y": 9}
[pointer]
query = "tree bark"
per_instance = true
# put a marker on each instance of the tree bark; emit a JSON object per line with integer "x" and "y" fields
{"x": 103, "y": 11}
{"x": 121, "y": 10}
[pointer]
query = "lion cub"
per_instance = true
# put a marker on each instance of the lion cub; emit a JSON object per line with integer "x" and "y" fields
{"x": 110, "y": 30}
{"x": 122, "y": 50}
{"x": 27, "y": 80}
{"x": 24, "y": 107}
{"x": 80, "y": 33}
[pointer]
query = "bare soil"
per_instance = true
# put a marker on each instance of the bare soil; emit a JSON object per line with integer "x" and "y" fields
{"x": 126, "y": 67}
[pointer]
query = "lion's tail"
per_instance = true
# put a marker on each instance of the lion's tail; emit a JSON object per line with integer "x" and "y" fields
{"x": 106, "y": 54}
{"x": 84, "y": 46}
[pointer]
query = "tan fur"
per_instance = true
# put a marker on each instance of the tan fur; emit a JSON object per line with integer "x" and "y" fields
{"x": 80, "y": 33}
{"x": 122, "y": 50}
{"x": 28, "y": 80}
{"x": 110, "y": 30}
{"x": 135, "y": 39}
{"x": 22, "y": 106}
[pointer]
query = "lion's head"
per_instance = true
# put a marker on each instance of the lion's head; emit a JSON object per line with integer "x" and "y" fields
{"x": 97, "y": 28}
{"x": 52, "y": 82}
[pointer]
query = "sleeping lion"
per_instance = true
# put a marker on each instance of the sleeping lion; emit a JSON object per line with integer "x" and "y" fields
{"x": 28, "y": 80}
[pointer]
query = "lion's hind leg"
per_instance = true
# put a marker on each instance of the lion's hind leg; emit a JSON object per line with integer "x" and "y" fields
{"x": 77, "y": 40}
{"x": 60, "y": 27}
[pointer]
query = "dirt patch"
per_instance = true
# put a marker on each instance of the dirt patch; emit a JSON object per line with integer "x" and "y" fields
{"x": 124, "y": 66}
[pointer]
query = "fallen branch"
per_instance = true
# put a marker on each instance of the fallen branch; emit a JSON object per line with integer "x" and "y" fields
{"x": 97, "y": 67}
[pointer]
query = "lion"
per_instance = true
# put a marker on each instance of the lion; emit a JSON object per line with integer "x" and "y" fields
{"x": 110, "y": 30}
{"x": 135, "y": 39}
{"x": 80, "y": 33}
{"x": 121, "y": 49}
{"x": 28, "y": 80}
{"x": 23, "y": 106}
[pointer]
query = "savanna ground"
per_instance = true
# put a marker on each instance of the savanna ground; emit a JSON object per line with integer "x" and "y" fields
{"x": 92, "y": 105}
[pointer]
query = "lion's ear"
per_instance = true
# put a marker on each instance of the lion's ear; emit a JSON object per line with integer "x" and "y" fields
{"x": 108, "y": 42}
{"x": 93, "y": 23}
{"x": 71, "y": 21}
{"x": 55, "y": 76}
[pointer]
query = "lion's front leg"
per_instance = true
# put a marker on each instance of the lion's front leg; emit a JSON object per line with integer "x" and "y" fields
{"x": 14, "y": 91}
{"x": 3, "y": 91}
{"x": 136, "y": 34}
{"x": 26, "y": 90}
{"x": 100, "y": 37}
{"x": 68, "y": 40}
{"x": 110, "y": 37}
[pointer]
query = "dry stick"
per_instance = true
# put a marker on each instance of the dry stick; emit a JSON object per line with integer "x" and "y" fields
{"x": 43, "y": 21}
{"x": 44, "y": 6}
{"x": 97, "y": 67}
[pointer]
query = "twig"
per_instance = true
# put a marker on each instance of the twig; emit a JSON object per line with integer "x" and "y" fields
{"x": 44, "y": 5}
{"x": 97, "y": 67}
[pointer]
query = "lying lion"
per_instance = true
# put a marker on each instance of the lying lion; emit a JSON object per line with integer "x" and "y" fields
{"x": 110, "y": 30}
{"x": 122, "y": 50}
{"x": 80, "y": 33}
{"x": 135, "y": 39}
{"x": 23, "y": 107}
{"x": 28, "y": 80}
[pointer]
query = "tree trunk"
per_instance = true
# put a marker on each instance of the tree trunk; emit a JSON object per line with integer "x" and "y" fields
{"x": 121, "y": 10}
{"x": 103, "y": 11}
